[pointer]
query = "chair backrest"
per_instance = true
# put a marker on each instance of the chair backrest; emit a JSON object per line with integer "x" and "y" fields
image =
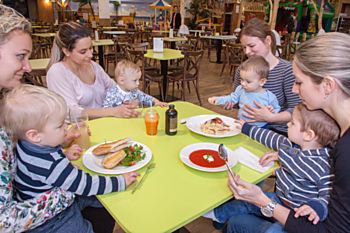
{"x": 234, "y": 54}
{"x": 119, "y": 47}
{"x": 139, "y": 46}
{"x": 184, "y": 47}
{"x": 35, "y": 77}
{"x": 192, "y": 61}
{"x": 193, "y": 40}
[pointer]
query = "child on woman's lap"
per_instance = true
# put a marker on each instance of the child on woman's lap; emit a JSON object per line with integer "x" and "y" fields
{"x": 254, "y": 73}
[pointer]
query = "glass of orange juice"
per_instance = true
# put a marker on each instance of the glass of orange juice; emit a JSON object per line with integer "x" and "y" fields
{"x": 151, "y": 121}
{"x": 78, "y": 118}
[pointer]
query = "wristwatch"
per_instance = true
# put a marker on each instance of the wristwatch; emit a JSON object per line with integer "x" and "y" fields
{"x": 267, "y": 211}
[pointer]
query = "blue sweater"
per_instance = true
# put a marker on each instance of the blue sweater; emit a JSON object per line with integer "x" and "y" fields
{"x": 242, "y": 97}
{"x": 304, "y": 176}
{"x": 41, "y": 168}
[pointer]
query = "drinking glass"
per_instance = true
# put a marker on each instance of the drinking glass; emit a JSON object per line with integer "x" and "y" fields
{"x": 136, "y": 102}
{"x": 78, "y": 118}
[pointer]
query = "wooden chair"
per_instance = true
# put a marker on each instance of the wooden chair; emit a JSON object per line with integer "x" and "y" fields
{"x": 118, "y": 52}
{"x": 143, "y": 46}
{"x": 193, "y": 40}
{"x": 131, "y": 34}
{"x": 190, "y": 72}
{"x": 147, "y": 77}
{"x": 234, "y": 56}
{"x": 207, "y": 43}
{"x": 35, "y": 77}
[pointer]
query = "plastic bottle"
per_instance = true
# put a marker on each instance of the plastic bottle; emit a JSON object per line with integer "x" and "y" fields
{"x": 171, "y": 120}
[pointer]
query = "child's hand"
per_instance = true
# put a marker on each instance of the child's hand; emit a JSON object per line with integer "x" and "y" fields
{"x": 213, "y": 100}
{"x": 159, "y": 103}
{"x": 307, "y": 210}
{"x": 74, "y": 152}
{"x": 270, "y": 108}
{"x": 240, "y": 123}
{"x": 267, "y": 158}
{"x": 130, "y": 178}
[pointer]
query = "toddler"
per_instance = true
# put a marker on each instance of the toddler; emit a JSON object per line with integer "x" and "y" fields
{"x": 127, "y": 75}
{"x": 304, "y": 176}
{"x": 35, "y": 116}
{"x": 254, "y": 73}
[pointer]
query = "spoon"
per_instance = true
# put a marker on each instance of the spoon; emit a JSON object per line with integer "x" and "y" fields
{"x": 223, "y": 156}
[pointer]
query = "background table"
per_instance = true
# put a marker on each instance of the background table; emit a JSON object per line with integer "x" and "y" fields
{"x": 219, "y": 44}
{"x": 173, "y": 194}
{"x": 44, "y": 34}
{"x": 164, "y": 57}
{"x": 100, "y": 45}
{"x": 173, "y": 40}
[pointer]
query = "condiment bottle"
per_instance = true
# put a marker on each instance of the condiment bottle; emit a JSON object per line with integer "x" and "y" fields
{"x": 171, "y": 120}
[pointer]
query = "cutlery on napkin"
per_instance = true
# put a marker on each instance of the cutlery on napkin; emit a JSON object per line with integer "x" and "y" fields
{"x": 249, "y": 159}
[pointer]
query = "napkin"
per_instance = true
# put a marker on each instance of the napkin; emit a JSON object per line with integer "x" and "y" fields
{"x": 249, "y": 159}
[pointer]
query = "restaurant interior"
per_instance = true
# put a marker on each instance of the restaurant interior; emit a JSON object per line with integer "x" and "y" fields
{"x": 183, "y": 63}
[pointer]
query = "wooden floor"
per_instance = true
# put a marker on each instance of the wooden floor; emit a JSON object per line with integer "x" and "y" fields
{"x": 210, "y": 84}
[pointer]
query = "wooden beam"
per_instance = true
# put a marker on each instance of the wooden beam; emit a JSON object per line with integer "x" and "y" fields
{"x": 320, "y": 16}
{"x": 240, "y": 14}
{"x": 274, "y": 14}
{"x": 271, "y": 7}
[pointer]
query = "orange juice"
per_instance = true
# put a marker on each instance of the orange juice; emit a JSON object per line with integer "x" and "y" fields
{"x": 83, "y": 141}
{"x": 151, "y": 121}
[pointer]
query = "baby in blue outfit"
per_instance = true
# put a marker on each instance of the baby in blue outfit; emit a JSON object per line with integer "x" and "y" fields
{"x": 254, "y": 73}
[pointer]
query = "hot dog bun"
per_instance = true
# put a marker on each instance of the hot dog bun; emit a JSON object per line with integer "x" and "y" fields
{"x": 112, "y": 159}
{"x": 111, "y": 146}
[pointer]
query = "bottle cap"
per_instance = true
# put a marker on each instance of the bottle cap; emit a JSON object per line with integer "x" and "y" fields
{"x": 171, "y": 106}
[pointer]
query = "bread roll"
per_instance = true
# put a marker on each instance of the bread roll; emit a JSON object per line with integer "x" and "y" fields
{"x": 112, "y": 146}
{"x": 112, "y": 159}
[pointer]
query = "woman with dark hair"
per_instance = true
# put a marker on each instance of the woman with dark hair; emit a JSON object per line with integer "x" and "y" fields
{"x": 176, "y": 19}
{"x": 78, "y": 79}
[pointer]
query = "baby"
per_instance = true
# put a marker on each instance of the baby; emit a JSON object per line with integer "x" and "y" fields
{"x": 127, "y": 75}
{"x": 35, "y": 116}
{"x": 254, "y": 74}
{"x": 304, "y": 176}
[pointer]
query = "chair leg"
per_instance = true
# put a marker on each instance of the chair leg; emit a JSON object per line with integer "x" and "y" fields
{"x": 199, "y": 98}
{"x": 183, "y": 90}
{"x": 188, "y": 85}
{"x": 161, "y": 90}
{"x": 223, "y": 68}
{"x": 173, "y": 89}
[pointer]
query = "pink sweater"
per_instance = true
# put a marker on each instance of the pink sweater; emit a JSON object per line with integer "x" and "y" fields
{"x": 65, "y": 83}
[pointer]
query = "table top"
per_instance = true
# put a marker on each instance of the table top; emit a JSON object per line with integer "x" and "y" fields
{"x": 38, "y": 26}
{"x": 174, "y": 39}
{"x": 116, "y": 27}
{"x": 167, "y": 54}
{"x": 160, "y": 31}
{"x": 114, "y": 32}
{"x": 173, "y": 194}
{"x": 102, "y": 42}
{"x": 44, "y": 34}
{"x": 39, "y": 64}
{"x": 220, "y": 37}
{"x": 196, "y": 31}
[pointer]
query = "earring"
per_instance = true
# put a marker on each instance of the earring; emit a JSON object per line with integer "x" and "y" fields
{"x": 326, "y": 96}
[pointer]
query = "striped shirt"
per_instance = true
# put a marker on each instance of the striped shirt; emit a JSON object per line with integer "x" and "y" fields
{"x": 304, "y": 176}
{"x": 280, "y": 83}
{"x": 41, "y": 168}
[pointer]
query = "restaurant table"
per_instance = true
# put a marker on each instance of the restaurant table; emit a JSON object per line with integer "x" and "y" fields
{"x": 38, "y": 26}
{"x": 164, "y": 57}
{"x": 219, "y": 44}
{"x": 196, "y": 32}
{"x": 172, "y": 194}
{"x": 115, "y": 27}
{"x": 115, "y": 32}
{"x": 100, "y": 45}
{"x": 173, "y": 40}
{"x": 51, "y": 34}
{"x": 39, "y": 64}
{"x": 160, "y": 31}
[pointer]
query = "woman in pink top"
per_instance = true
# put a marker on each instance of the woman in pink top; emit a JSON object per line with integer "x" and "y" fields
{"x": 78, "y": 79}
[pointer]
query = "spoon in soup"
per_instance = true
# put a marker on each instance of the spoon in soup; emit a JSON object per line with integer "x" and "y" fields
{"x": 223, "y": 156}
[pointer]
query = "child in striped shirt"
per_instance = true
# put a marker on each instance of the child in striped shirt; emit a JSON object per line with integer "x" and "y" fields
{"x": 35, "y": 116}
{"x": 304, "y": 177}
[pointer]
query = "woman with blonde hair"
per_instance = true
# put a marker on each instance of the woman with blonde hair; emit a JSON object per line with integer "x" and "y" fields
{"x": 258, "y": 39}
{"x": 79, "y": 80}
{"x": 32, "y": 214}
{"x": 322, "y": 70}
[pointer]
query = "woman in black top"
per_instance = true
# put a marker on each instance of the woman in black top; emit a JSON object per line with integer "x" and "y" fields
{"x": 175, "y": 19}
{"x": 322, "y": 71}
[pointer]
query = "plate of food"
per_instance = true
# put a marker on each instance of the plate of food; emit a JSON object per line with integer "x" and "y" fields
{"x": 205, "y": 157}
{"x": 215, "y": 126}
{"x": 117, "y": 157}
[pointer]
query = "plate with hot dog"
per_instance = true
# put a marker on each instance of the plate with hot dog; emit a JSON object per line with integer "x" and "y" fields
{"x": 117, "y": 157}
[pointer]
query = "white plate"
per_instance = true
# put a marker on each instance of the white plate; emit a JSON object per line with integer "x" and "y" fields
{"x": 194, "y": 122}
{"x": 187, "y": 150}
{"x": 93, "y": 162}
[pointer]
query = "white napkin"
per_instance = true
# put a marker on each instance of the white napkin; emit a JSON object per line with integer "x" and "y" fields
{"x": 249, "y": 159}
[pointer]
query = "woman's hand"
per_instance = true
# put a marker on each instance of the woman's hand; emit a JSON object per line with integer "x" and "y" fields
{"x": 268, "y": 157}
{"x": 130, "y": 178}
{"x": 246, "y": 191}
{"x": 307, "y": 210}
{"x": 125, "y": 111}
{"x": 71, "y": 135}
{"x": 228, "y": 105}
{"x": 258, "y": 114}
{"x": 74, "y": 152}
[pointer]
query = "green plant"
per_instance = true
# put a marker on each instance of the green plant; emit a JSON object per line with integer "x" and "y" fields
{"x": 197, "y": 9}
{"x": 84, "y": 2}
{"x": 116, "y": 4}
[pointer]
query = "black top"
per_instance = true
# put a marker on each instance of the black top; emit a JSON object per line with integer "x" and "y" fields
{"x": 177, "y": 21}
{"x": 338, "y": 219}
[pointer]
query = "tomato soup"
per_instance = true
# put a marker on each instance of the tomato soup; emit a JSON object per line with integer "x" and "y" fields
{"x": 197, "y": 158}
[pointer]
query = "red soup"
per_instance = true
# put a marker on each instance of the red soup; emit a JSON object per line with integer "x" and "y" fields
{"x": 197, "y": 157}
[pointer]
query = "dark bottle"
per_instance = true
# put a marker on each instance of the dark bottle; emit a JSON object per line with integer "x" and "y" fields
{"x": 171, "y": 120}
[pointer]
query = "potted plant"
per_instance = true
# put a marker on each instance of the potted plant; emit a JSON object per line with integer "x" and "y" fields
{"x": 84, "y": 2}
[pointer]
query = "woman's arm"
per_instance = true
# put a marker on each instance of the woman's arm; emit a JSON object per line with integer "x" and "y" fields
{"x": 124, "y": 111}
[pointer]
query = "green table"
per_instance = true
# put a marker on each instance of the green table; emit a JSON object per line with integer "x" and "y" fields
{"x": 173, "y": 40}
{"x": 44, "y": 34}
{"x": 100, "y": 45}
{"x": 160, "y": 31}
{"x": 164, "y": 57}
{"x": 38, "y": 66}
{"x": 172, "y": 194}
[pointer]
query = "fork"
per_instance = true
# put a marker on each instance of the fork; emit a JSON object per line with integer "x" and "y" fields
{"x": 152, "y": 165}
